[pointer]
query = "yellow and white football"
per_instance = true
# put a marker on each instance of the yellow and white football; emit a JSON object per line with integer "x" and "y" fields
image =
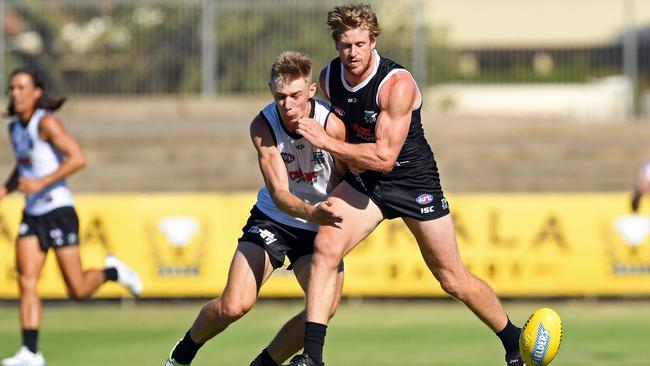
{"x": 540, "y": 337}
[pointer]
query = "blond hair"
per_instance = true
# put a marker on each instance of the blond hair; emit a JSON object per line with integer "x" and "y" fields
{"x": 290, "y": 66}
{"x": 352, "y": 16}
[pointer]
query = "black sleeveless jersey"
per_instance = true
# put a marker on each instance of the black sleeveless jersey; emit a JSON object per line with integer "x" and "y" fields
{"x": 358, "y": 107}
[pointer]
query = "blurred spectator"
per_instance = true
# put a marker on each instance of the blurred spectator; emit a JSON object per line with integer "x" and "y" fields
{"x": 642, "y": 186}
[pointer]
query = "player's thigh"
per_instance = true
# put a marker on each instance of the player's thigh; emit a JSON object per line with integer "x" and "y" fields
{"x": 69, "y": 260}
{"x": 437, "y": 242}
{"x": 249, "y": 269}
{"x": 29, "y": 256}
{"x": 360, "y": 217}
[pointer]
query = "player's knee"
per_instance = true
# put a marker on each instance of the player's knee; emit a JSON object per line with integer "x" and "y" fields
{"x": 27, "y": 283}
{"x": 452, "y": 283}
{"x": 327, "y": 252}
{"x": 77, "y": 292}
{"x": 77, "y": 295}
{"x": 326, "y": 260}
{"x": 233, "y": 310}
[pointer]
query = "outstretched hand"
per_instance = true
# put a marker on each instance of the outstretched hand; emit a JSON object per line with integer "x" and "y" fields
{"x": 310, "y": 129}
{"x": 324, "y": 215}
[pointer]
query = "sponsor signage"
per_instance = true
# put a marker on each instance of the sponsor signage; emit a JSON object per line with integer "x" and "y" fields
{"x": 521, "y": 244}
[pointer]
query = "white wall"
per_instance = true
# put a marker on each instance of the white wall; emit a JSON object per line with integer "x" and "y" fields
{"x": 502, "y": 23}
{"x": 605, "y": 100}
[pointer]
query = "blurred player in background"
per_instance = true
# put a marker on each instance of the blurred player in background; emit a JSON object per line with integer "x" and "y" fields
{"x": 285, "y": 218}
{"x": 45, "y": 155}
{"x": 642, "y": 186}
{"x": 392, "y": 174}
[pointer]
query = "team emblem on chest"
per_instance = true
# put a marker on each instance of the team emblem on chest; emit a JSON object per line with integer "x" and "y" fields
{"x": 287, "y": 157}
{"x": 370, "y": 117}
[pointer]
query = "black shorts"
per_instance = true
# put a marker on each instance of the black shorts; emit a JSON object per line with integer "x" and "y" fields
{"x": 278, "y": 240}
{"x": 56, "y": 229}
{"x": 404, "y": 192}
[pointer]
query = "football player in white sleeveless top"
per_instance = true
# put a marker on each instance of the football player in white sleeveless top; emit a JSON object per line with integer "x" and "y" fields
{"x": 285, "y": 218}
{"x": 45, "y": 155}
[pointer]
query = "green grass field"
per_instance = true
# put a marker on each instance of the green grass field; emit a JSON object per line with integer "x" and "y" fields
{"x": 369, "y": 333}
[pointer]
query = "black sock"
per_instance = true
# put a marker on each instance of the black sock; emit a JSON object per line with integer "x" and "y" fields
{"x": 30, "y": 339}
{"x": 314, "y": 340}
{"x": 264, "y": 359}
{"x": 110, "y": 274}
{"x": 185, "y": 350}
{"x": 510, "y": 338}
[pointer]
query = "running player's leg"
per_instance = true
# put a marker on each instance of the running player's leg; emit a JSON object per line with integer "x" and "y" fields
{"x": 29, "y": 259}
{"x": 290, "y": 338}
{"x": 29, "y": 262}
{"x": 360, "y": 217}
{"x": 249, "y": 269}
{"x": 81, "y": 284}
{"x": 302, "y": 271}
{"x": 437, "y": 242}
{"x": 286, "y": 342}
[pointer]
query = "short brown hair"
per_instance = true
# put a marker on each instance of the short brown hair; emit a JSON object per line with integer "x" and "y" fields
{"x": 290, "y": 66}
{"x": 352, "y": 16}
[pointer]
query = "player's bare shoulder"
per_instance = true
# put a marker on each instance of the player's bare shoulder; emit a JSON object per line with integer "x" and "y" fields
{"x": 257, "y": 126}
{"x": 49, "y": 126}
{"x": 260, "y": 132}
{"x": 399, "y": 90}
{"x": 335, "y": 127}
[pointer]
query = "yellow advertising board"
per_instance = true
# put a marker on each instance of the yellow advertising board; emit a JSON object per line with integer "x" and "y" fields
{"x": 521, "y": 244}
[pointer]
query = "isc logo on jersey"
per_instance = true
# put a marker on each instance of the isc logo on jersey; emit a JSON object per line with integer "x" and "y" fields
{"x": 541, "y": 337}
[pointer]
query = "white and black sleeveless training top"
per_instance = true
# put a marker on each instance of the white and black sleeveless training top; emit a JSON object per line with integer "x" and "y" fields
{"x": 37, "y": 158}
{"x": 311, "y": 171}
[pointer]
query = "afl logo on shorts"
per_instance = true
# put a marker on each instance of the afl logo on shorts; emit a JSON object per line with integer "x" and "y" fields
{"x": 424, "y": 199}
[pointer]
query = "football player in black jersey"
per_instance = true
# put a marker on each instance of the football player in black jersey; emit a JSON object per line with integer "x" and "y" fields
{"x": 393, "y": 175}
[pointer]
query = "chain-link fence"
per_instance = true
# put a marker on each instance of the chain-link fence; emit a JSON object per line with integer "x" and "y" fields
{"x": 123, "y": 47}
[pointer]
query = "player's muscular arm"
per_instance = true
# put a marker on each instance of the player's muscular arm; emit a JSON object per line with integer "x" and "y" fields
{"x": 52, "y": 130}
{"x": 275, "y": 175}
{"x": 397, "y": 98}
